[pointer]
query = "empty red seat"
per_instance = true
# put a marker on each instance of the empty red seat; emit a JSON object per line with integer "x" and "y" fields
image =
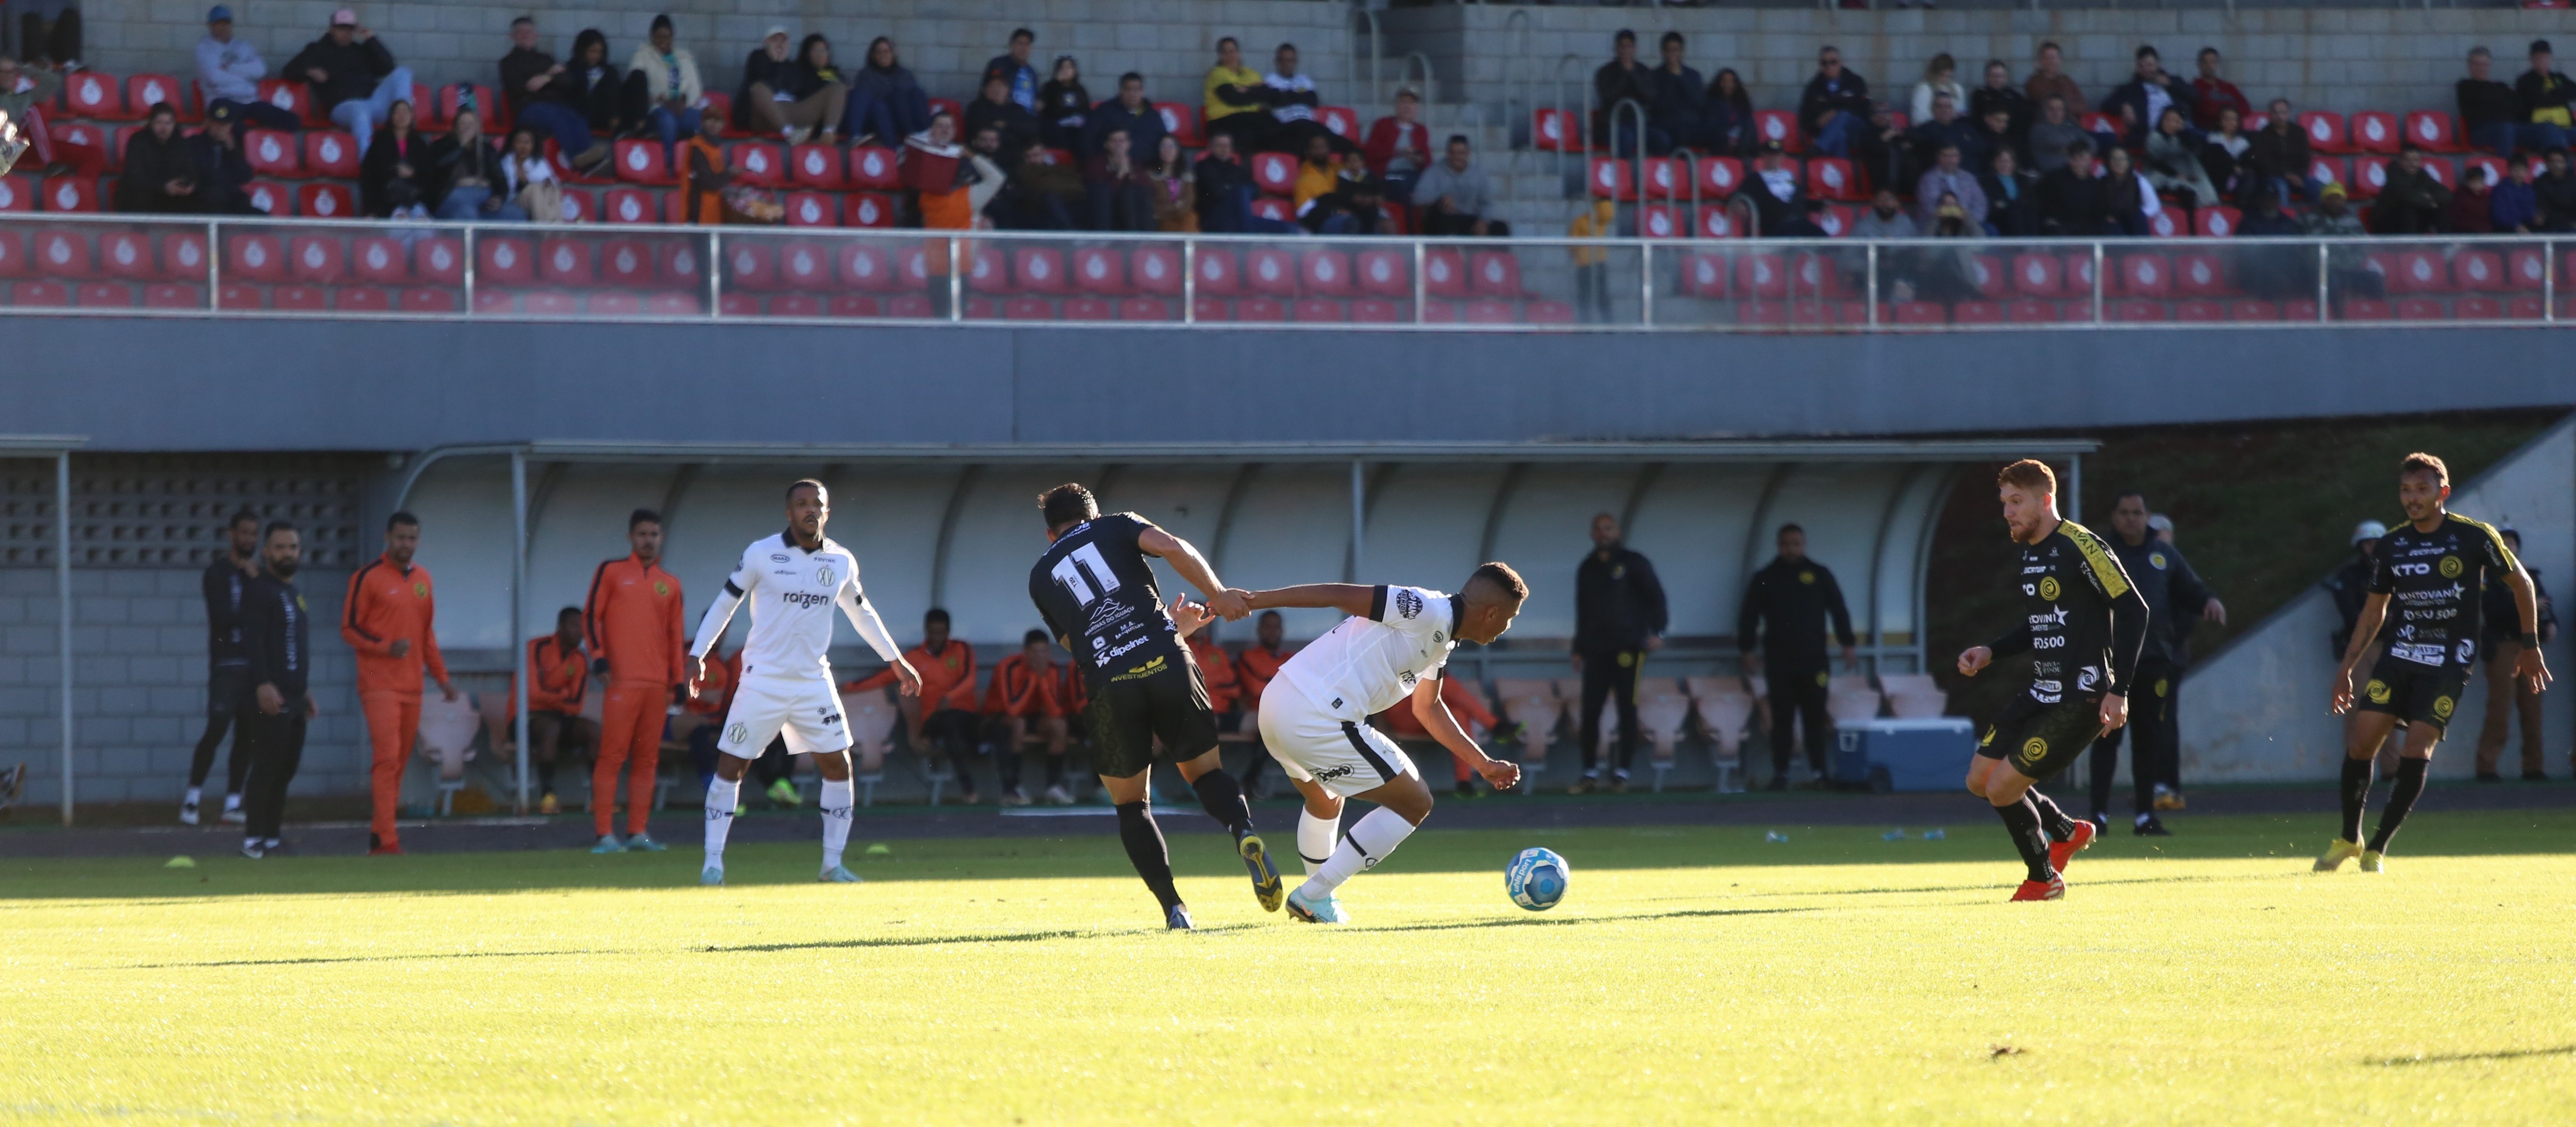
{"x": 272, "y": 153}
{"x": 873, "y": 167}
{"x": 330, "y": 152}
{"x": 805, "y": 265}
{"x": 1321, "y": 309}
{"x": 293, "y": 97}
{"x": 269, "y": 198}
{"x": 1274, "y": 173}
{"x": 491, "y": 301}
{"x": 627, "y": 263}
{"x": 548, "y": 303}
{"x": 2031, "y": 311}
{"x": 1218, "y": 273}
{"x": 1089, "y": 309}
{"x": 642, "y": 161}
{"x": 1778, "y": 125}
{"x": 2374, "y": 131}
{"x": 2079, "y": 273}
{"x": 103, "y": 295}
{"x": 1611, "y": 178}
{"x": 1761, "y": 276}
{"x": 2478, "y": 309}
{"x": 504, "y": 261}
{"x": 1705, "y": 275}
{"x": 2325, "y": 131}
{"x": 126, "y": 254}
{"x": 92, "y": 93}
{"x": 812, "y": 209}
{"x": 2218, "y": 222}
{"x": 2167, "y": 223}
{"x": 2365, "y": 309}
{"x": 564, "y": 262}
{"x": 1831, "y": 178}
{"x": 1039, "y": 270}
{"x": 2524, "y": 268}
{"x": 2134, "y": 309}
{"x": 1490, "y": 312}
{"x": 301, "y": 299}
{"x": 173, "y": 295}
{"x": 2037, "y": 275}
{"x": 64, "y": 254}
{"x": 71, "y": 193}
{"x": 1837, "y": 219}
{"x": 2478, "y": 271}
{"x": 1922, "y": 313}
{"x": 1342, "y": 120}
{"x": 18, "y": 193}
{"x": 866, "y": 266}
{"x": 750, "y": 264}
{"x": 630, "y": 205}
{"x": 381, "y": 260}
{"x": 2200, "y": 311}
{"x": 1270, "y": 272}
{"x": 362, "y": 299}
{"x": 1665, "y": 179}
{"x": 1387, "y": 273}
{"x": 425, "y": 300}
{"x": 2251, "y": 310}
{"x": 613, "y": 304}
{"x": 1144, "y": 309}
{"x": 1988, "y": 274}
{"x": 1181, "y": 121}
{"x": 1660, "y": 221}
{"x": 439, "y": 260}
{"x": 1716, "y": 222}
{"x": 2329, "y": 170}
{"x": 816, "y": 166}
{"x": 142, "y": 91}
{"x": 183, "y": 255}
{"x": 1157, "y": 269}
{"x": 1444, "y": 272}
{"x": 1100, "y": 270}
{"x": 2420, "y": 309}
{"x": 1554, "y": 131}
{"x": 2432, "y": 131}
{"x": 2418, "y": 271}
{"x": 13, "y": 253}
{"x": 1260, "y": 309}
{"x": 255, "y": 258}
{"x": 326, "y": 201}
{"x": 40, "y": 295}
{"x": 2299, "y": 309}
{"x": 867, "y": 209}
{"x": 318, "y": 259}
{"x": 987, "y": 271}
{"x": 1324, "y": 272}
{"x": 1719, "y": 177}
{"x": 1978, "y": 313}
{"x": 758, "y": 162}
{"x": 1495, "y": 273}
{"x": 1376, "y": 311}
{"x": 2198, "y": 273}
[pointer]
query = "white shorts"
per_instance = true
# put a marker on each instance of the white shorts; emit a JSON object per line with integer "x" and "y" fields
{"x": 807, "y": 712}
{"x": 1345, "y": 757}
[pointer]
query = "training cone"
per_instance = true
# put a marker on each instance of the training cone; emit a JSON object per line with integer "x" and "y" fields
{"x": 879, "y": 849}
{"x": 182, "y": 861}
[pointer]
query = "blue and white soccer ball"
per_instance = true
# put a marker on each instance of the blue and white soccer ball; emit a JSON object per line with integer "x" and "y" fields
{"x": 1536, "y": 879}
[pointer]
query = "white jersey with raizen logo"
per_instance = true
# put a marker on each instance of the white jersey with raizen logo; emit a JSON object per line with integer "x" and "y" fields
{"x": 793, "y": 595}
{"x": 1367, "y": 664}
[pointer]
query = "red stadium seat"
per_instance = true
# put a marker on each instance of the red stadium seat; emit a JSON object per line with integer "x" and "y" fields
{"x": 2369, "y": 177}
{"x": 2218, "y": 222}
{"x": 866, "y": 266}
{"x": 326, "y": 201}
{"x": 2299, "y": 309}
{"x": 250, "y": 258}
{"x": 812, "y": 209}
{"x": 854, "y": 305}
{"x": 91, "y": 93}
{"x": 1320, "y": 309}
{"x": 1088, "y": 309}
{"x": 867, "y": 209}
{"x": 330, "y": 152}
{"x": 84, "y": 148}
{"x": 613, "y": 304}
{"x": 1715, "y": 222}
{"x": 127, "y": 254}
{"x": 564, "y": 262}
{"x": 1218, "y": 273}
{"x": 302, "y": 299}
{"x": 1813, "y": 275}
{"x": 758, "y": 162}
{"x": 1275, "y": 207}
{"x": 1660, "y": 221}
{"x": 18, "y": 193}
{"x": 2132, "y": 310}
{"x": 627, "y": 263}
{"x": 643, "y": 162}
{"x": 2494, "y": 167}
{"x": 751, "y": 265}
{"x": 1922, "y": 313}
{"x": 2146, "y": 275}
{"x": 2421, "y": 309}
{"x": 1182, "y": 122}
{"x": 1978, "y": 313}
{"x": 1385, "y": 273}
{"x": 1269, "y": 272}
{"x": 1705, "y": 275}
{"x": 2037, "y": 275}
{"x": 317, "y": 259}
{"x": 1778, "y": 125}
{"x": 1341, "y": 120}
{"x": 815, "y": 166}
{"x": 1665, "y": 179}
{"x": 1324, "y": 272}
{"x": 504, "y": 261}
{"x": 2200, "y": 311}
{"x": 1274, "y": 173}
{"x": 2418, "y": 271}
{"x": 1761, "y": 276}
{"x": 2365, "y": 309}
{"x": 1495, "y": 273}
{"x": 1831, "y": 178}
{"x": 1376, "y": 311}
{"x": 630, "y": 205}
{"x": 1100, "y": 270}
{"x": 103, "y": 295}
{"x": 362, "y": 299}
{"x": 1612, "y": 178}
{"x": 2525, "y": 268}
{"x": 804, "y": 265}
{"x": 14, "y": 260}
{"x": 183, "y": 255}
{"x": 40, "y": 295}
{"x": 71, "y": 193}
{"x": 293, "y": 97}
{"x": 1444, "y": 272}
{"x": 1553, "y": 131}
{"x": 64, "y": 254}
{"x": 240, "y": 295}
{"x": 2168, "y": 223}
{"x": 1490, "y": 312}
{"x": 2478, "y": 271}
{"x": 142, "y": 91}
{"x": 173, "y": 295}
{"x": 1211, "y": 309}
{"x": 1260, "y": 309}
{"x": 987, "y": 271}
{"x": 1145, "y": 309}
{"x": 439, "y": 260}
{"x": 2478, "y": 309}
{"x": 2375, "y": 131}
{"x": 2329, "y": 170}
{"x": 2199, "y": 273}
{"x": 269, "y": 198}
{"x": 2079, "y": 274}
{"x": 2031, "y": 311}
{"x": 1039, "y": 270}
{"x": 425, "y": 300}
{"x": 1837, "y": 219}
{"x": 2433, "y": 132}
{"x": 272, "y": 153}
{"x": 873, "y": 167}
{"x": 492, "y": 301}
{"x": 2250, "y": 310}
{"x": 2443, "y": 173}
{"x": 1719, "y": 177}
{"x": 2325, "y": 131}
{"x": 1993, "y": 281}
{"x": 912, "y": 265}
{"x": 2098, "y": 122}
{"x": 909, "y": 305}
{"x": 549, "y": 303}
{"x": 380, "y": 260}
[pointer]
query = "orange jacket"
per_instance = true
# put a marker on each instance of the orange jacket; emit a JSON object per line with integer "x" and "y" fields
{"x": 1072, "y": 693}
{"x": 563, "y": 675}
{"x": 947, "y": 678}
{"x": 634, "y": 613}
{"x": 1462, "y": 704}
{"x": 389, "y": 603}
{"x": 1255, "y": 667}
{"x": 1018, "y": 690}
{"x": 715, "y": 690}
{"x": 1224, "y": 685}
{"x": 701, "y": 205}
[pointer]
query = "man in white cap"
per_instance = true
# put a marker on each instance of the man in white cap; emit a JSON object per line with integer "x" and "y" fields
{"x": 2350, "y": 584}
{"x": 352, "y": 75}
{"x": 229, "y": 70}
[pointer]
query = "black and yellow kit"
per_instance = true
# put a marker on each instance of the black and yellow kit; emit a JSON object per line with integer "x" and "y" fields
{"x": 2436, "y": 584}
{"x": 2082, "y": 623}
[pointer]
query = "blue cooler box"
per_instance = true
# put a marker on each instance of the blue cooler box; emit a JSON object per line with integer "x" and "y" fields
{"x": 1891, "y": 755}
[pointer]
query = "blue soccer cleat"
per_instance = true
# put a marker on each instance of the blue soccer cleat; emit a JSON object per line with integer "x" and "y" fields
{"x": 1325, "y": 911}
{"x": 608, "y": 843}
{"x": 1178, "y": 919}
{"x": 642, "y": 843}
{"x": 839, "y": 874}
{"x": 712, "y": 877}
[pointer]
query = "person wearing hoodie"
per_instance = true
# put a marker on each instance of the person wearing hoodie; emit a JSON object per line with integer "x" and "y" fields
{"x": 540, "y": 93}
{"x": 678, "y": 97}
{"x": 613, "y": 102}
{"x": 159, "y": 174}
{"x": 398, "y": 176}
{"x": 1063, "y": 105}
{"x": 887, "y": 84}
{"x": 352, "y": 75}
{"x": 768, "y": 102}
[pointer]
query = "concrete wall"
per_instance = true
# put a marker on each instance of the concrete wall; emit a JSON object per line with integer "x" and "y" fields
{"x": 2256, "y": 711}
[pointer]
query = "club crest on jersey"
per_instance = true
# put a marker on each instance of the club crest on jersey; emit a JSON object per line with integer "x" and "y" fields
{"x": 2450, "y": 567}
{"x": 1807, "y": 577}
{"x": 661, "y": 589}
{"x": 823, "y": 575}
{"x": 2157, "y": 559}
{"x": 1408, "y": 603}
{"x": 421, "y": 590}
{"x": 2048, "y": 588}
{"x": 2377, "y": 691}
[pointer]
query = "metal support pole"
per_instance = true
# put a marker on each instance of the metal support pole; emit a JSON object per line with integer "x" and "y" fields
{"x": 1421, "y": 284}
{"x": 1359, "y": 515}
{"x": 2548, "y": 282}
{"x": 63, "y": 609}
{"x": 715, "y": 274}
{"x": 518, "y": 610}
{"x": 1189, "y": 281}
{"x": 1646, "y": 284}
{"x": 469, "y": 271}
{"x": 2097, "y": 283}
{"x": 2325, "y": 271}
{"x": 214, "y": 266}
{"x": 2075, "y": 488}
{"x": 1870, "y": 295}
{"x": 956, "y": 280}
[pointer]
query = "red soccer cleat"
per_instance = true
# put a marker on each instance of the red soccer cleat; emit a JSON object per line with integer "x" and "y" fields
{"x": 2061, "y": 852}
{"x": 384, "y": 850}
{"x": 2054, "y": 888}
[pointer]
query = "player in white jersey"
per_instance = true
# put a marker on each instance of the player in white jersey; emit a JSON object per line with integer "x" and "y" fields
{"x": 794, "y": 582}
{"x": 1314, "y": 715}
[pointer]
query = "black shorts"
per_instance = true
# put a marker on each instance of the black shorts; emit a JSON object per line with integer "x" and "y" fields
{"x": 2412, "y": 691}
{"x": 1126, "y": 716}
{"x": 228, "y": 691}
{"x": 2040, "y": 740}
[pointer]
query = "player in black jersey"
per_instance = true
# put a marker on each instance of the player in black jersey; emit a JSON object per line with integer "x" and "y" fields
{"x": 1099, "y": 598}
{"x": 2082, "y": 624}
{"x": 2435, "y": 569}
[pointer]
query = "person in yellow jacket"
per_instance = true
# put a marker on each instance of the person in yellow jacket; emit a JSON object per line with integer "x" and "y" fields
{"x": 1592, "y": 263}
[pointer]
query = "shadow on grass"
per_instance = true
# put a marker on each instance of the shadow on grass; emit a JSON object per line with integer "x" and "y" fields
{"x": 2459, "y": 1058}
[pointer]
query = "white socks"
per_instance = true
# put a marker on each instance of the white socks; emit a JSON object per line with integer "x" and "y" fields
{"x": 194, "y": 794}
{"x": 1315, "y": 839}
{"x": 837, "y": 798}
{"x": 1369, "y": 842}
{"x": 721, "y": 799}
{"x": 232, "y": 802}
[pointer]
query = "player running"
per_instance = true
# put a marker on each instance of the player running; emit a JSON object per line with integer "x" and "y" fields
{"x": 1314, "y": 715}
{"x": 1098, "y": 596}
{"x": 2083, "y": 622}
{"x": 793, "y": 581}
{"x": 2436, "y": 568}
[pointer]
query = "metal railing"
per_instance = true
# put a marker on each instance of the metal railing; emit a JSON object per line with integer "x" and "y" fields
{"x": 141, "y": 266}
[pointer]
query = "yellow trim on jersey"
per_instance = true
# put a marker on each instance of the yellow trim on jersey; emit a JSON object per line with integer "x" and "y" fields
{"x": 2106, "y": 571}
{"x": 2493, "y": 537}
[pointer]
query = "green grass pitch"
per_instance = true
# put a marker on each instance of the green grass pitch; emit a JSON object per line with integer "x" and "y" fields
{"x": 1691, "y": 976}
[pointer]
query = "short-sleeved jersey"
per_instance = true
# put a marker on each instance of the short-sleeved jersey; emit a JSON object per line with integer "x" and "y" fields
{"x": 793, "y": 595}
{"x": 1096, "y": 591}
{"x": 2435, "y": 582}
{"x": 1367, "y": 664}
{"x": 2073, "y": 593}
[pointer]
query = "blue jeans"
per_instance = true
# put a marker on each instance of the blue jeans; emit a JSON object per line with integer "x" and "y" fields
{"x": 1658, "y": 142}
{"x": 1834, "y": 139}
{"x": 1233, "y": 216}
{"x": 2504, "y": 137}
{"x": 671, "y": 126}
{"x": 361, "y": 115}
{"x": 569, "y": 129}
{"x": 465, "y": 205}
{"x": 2306, "y": 189}
{"x": 1399, "y": 185}
{"x": 261, "y": 115}
{"x": 892, "y": 119}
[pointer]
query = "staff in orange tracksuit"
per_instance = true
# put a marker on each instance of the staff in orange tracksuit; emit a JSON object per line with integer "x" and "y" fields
{"x": 637, "y": 643}
{"x": 387, "y": 619}
{"x": 942, "y": 718}
{"x": 554, "y": 700}
{"x": 1253, "y": 669}
{"x": 1022, "y": 702}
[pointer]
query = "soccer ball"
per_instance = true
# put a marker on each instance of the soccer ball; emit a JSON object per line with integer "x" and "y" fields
{"x": 1536, "y": 879}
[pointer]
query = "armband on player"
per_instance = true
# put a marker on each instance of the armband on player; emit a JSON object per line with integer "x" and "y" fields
{"x": 2531, "y": 639}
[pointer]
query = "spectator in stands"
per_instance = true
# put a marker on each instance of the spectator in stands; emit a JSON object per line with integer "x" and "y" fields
{"x": 1013, "y": 65}
{"x": 1789, "y": 608}
{"x": 1292, "y": 101}
{"x": 2472, "y": 209}
{"x": 352, "y": 75}
{"x": 2511, "y": 206}
{"x": 2211, "y": 93}
{"x": 2348, "y": 275}
{"x": 1726, "y": 116}
{"x": 1947, "y": 272}
{"x": 1465, "y": 706}
{"x": 1947, "y": 177}
{"x": 2222, "y": 155}
{"x": 159, "y": 174}
{"x": 2494, "y": 116}
{"x": 561, "y": 675}
{"x": 2133, "y": 201}
{"x": 940, "y": 721}
{"x": 817, "y": 76}
{"x": 2050, "y": 80}
{"x": 1943, "y": 127}
{"x": 542, "y": 94}
{"x": 1318, "y": 170}
{"x": 1808, "y": 223}
{"x": 24, "y": 94}
{"x": 528, "y": 178}
{"x": 1021, "y": 708}
{"x": 1355, "y": 206}
{"x": 890, "y": 85}
{"x": 2012, "y": 198}
{"x": 469, "y": 175}
{"x": 1174, "y": 190}
{"x": 1885, "y": 219}
{"x": 1675, "y": 111}
{"x": 397, "y": 178}
{"x": 2274, "y": 273}
{"x": 615, "y": 103}
{"x": 1619, "y": 617}
{"x": 223, "y": 170}
{"x": 2053, "y": 134}
{"x": 1940, "y": 76}
{"x": 1235, "y": 103}
{"x": 2555, "y": 193}
{"x": 2073, "y": 202}
{"x": 704, "y": 173}
{"x": 948, "y": 208}
{"x": 767, "y": 102}
{"x": 54, "y": 25}
{"x": 1598, "y": 220}
{"x": 1128, "y": 111}
{"x": 1998, "y": 94}
{"x": 1254, "y": 669}
{"x": 1063, "y": 105}
{"x": 2412, "y": 202}
{"x": 229, "y": 70}
{"x": 2277, "y": 157}
{"x": 1399, "y": 147}
{"x": 1993, "y": 134}
{"x": 2545, "y": 93}
{"x": 2140, "y": 101}
{"x": 2172, "y": 160}
{"x": 995, "y": 110}
{"x": 1041, "y": 195}
{"x": 677, "y": 97}
{"x": 1834, "y": 104}
{"x": 1224, "y": 683}
{"x": 1774, "y": 189}
{"x": 1224, "y": 188}
{"x": 1624, "y": 79}
{"x": 1883, "y": 152}
{"x": 1455, "y": 196}
{"x": 1115, "y": 188}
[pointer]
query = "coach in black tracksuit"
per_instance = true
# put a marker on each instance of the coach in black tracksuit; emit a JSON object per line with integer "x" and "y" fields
{"x": 1618, "y": 616}
{"x": 2175, "y": 599}
{"x": 1784, "y": 613}
{"x": 277, "y": 646}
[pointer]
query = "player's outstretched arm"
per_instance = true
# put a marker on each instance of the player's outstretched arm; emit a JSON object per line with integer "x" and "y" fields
{"x": 1349, "y": 598}
{"x": 1226, "y": 602}
{"x": 2374, "y": 610}
{"x": 1444, "y": 727}
{"x": 1187, "y": 615}
{"x": 2531, "y": 668}
{"x": 863, "y": 617}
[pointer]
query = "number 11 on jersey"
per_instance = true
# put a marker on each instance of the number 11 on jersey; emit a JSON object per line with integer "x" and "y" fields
{"x": 1084, "y": 575}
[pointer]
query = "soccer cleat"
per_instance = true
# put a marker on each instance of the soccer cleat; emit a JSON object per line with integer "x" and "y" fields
{"x": 2168, "y": 798}
{"x": 232, "y": 814}
{"x": 2101, "y": 821}
{"x": 712, "y": 876}
{"x": 2148, "y": 825}
{"x": 838, "y": 874}
{"x": 608, "y": 843}
{"x": 1178, "y": 919}
{"x": 2336, "y": 854}
{"x": 2371, "y": 861}
{"x": 187, "y": 813}
{"x": 549, "y": 805}
{"x": 2077, "y": 838}
{"x": 784, "y": 793}
{"x": 1265, "y": 876}
{"x": 1325, "y": 911}
{"x": 253, "y": 850}
{"x": 1015, "y": 797}
{"x": 644, "y": 843}
{"x": 2054, "y": 888}
{"x": 1058, "y": 796}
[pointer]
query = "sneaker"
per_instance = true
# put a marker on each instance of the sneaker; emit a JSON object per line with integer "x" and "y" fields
{"x": 548, "y": 805}
{"x": 2336, "y": 854}
{"x": 1325, "y": 911}
{"x": 2054, "y": 888}
{"x": 1585, "y": 785}
{"x": 253, "y": 850}
{"x": 232, "y": 815}
{"x": 1058, "y": 796}
{"x": 838, "y": 874}
{"x": 796, "y": 135}
{"x": 2148, "y": 825}
{"x": 784, "y": 793}
{"x": 187, "y": 813}
{"x": 1015, "y": 797}
{"x": 608, "y": 843}
{"x": 1265, "y": 876}
{"x": 2167, "y": 798}
{"x": 1178, "y": 919}
{"x": 644, "y": 843}
{"x": 2372, "y": 861}
{"x": 2101, "y": 821}
{"x": 712, "y": 876}
{"x": 2077, "y": 838}
{"x": 378, "y": 847}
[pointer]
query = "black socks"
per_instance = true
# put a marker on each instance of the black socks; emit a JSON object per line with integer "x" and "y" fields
{"x": 2356, "y": 793}
{"x": 545, "y": 776}
{"x": 2021, "y": 820}
{"x": 2059, "y": 826}
{"x": 1145, "y": 850}
{"x": 1055, "y": 770}
{"x": 1007, "y": 765}
{"x": 2410, "y": 786}
{"x": 1223, "y": 801}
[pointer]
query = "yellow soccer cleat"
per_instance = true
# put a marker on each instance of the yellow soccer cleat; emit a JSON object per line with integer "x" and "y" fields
{"x": 2336, "y": 854}
{"x": 2370, "y": 861}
